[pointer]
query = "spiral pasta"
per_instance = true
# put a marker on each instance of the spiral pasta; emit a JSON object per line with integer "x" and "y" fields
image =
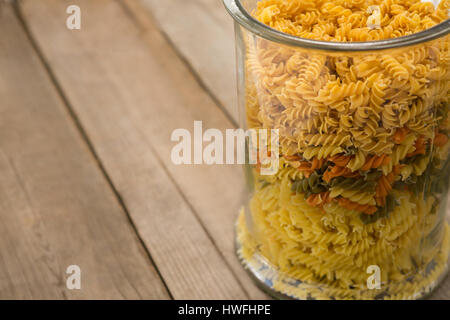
{"x": 363, "y": 146}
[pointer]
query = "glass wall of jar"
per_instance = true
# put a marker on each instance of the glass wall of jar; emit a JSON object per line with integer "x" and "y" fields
{"x": 356, "y": 205}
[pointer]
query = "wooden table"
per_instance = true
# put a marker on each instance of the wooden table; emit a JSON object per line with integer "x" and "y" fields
{"x": 86, "y": 178}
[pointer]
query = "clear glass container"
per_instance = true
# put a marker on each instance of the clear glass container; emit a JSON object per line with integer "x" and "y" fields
{"x": 357, "y": 206}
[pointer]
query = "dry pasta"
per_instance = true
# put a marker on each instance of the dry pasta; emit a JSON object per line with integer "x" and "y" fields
{"x": 364, "y": 151}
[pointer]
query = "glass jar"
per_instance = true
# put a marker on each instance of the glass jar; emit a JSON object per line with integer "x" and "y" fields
{"x": 357, "y": 206}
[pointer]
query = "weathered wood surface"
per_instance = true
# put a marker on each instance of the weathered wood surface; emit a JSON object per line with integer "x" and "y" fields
{"x": 56, "y": 207}
{"x": 143, "y": 91}
{"x": 202, "y": 33}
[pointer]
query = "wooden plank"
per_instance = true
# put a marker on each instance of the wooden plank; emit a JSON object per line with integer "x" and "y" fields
{"x": 129, "y": 91}
{"x": 56, "y": 207}
{"x": 202, "y": 33}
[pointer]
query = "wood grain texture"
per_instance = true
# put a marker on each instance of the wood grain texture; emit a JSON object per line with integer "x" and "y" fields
{"x": 56, "y": 207}
{"x": 129, "y": 91}
{"x": 202, "y": 33}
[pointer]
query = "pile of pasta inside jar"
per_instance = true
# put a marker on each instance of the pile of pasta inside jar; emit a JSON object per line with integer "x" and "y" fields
{"x": 361, "y": 190}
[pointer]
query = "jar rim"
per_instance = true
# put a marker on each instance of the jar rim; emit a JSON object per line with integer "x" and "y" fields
{"x": 245, "y": 19}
